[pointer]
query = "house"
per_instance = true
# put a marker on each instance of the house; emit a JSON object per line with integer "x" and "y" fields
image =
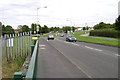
{"x": 16, "y": 31}
{"x": 78, "y": 28}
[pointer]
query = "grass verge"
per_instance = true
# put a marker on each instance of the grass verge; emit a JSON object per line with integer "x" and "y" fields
{"x": 8, "y": 68}
{"x": 95, "y": 40}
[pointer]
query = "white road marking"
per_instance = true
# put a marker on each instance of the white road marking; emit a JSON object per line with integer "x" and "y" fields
{"x": 80, "y": 45}
{"x": 93, "y": 48}
{"x": 42, "y": 48}
{"x": 117, "y": 55}
{"x": 41, "y": 45}
{"x": 75, "y": 44}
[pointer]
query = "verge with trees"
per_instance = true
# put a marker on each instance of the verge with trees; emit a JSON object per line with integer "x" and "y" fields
{"x": 107, "y": 30}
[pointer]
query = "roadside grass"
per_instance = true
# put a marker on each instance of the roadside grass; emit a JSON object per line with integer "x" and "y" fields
{"x": 95, "y": 40}
{"x": 16, "y": 46}
{"x": 8, "y": 68}
{"x": 14, "y": 65}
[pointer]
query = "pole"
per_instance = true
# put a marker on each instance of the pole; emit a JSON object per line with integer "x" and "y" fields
{"x": 21, "y": 44}
{"x": 13, "y": 46}
{"x": 37, "y": 17}
{"x": 16, "y": 43}
{"x": 8, "y": 46}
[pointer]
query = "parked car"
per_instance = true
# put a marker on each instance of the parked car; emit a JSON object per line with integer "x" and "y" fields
{"x": 50, "y": 37}
{"x": 61, "y": 35}
{"x": 71, "y": 38}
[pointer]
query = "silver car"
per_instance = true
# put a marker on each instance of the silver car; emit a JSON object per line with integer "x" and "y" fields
{"x": 50, "y": 37}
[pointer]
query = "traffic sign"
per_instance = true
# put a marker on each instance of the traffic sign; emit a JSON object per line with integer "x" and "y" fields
{"x": 37, "y": 28}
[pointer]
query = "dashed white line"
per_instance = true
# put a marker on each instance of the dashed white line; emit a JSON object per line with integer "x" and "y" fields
{"x": 81, "y": 46}
{"x": 42, "y": 48}
{"x": 117, "y": 55}
{"x": 75, "y": 44}
{"x": 93, "y": 48}
{"x": 41, "y": 45}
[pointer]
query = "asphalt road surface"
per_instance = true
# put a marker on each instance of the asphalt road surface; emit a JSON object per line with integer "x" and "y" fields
{"x": 60, "y": 59}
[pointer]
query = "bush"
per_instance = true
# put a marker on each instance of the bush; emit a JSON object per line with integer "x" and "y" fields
{"x": 105, "y": 33}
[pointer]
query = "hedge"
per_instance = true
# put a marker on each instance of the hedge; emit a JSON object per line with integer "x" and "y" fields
{"x": 105, "y": 33}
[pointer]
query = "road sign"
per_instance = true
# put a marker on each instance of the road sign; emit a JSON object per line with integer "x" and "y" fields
{"x": 37, "y": 28}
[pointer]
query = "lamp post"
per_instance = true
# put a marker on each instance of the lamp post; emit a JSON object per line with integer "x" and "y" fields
{"x": 70, "y": 23}
{"x": 37, "y": 17}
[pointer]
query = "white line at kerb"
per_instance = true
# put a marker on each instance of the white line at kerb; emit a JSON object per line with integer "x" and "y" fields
{"x": 93, "y": 48}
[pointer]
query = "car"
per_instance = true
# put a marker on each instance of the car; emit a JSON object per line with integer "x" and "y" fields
{"x": 71, "y": 38}
{"x": 61, "y": 35}
{"x": 50, "y": 37}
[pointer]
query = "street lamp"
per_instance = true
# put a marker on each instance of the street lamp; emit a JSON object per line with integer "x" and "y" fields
{"x": 37, "y": 12}
{"x": 37, "y": 17}
{"x": 70, "y": 23}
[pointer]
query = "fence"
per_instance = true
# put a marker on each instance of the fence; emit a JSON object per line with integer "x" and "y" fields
{"x": 16, "y": 45}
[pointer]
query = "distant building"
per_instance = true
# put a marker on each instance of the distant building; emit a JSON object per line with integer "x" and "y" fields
{"x": 90, "y": 28}
{"x": 78, "y": 28}
{"x": 81, "y": 28}
{"x": 16, "y": 31}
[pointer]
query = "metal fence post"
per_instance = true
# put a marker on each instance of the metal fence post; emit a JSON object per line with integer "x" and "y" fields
{"x": 16, "y": 43}
{"x": 8, "y": 46}
{"x": 30, "y": 39}
{"x": 21, "y": 44}
{"x": 11, "y": 46}
{"x": 26, "y": 44}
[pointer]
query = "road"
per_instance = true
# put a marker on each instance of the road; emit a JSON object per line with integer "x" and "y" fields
{"x": 60, "y": 59}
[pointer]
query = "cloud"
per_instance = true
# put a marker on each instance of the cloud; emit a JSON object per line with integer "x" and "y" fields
{"x": 16, "y": 12}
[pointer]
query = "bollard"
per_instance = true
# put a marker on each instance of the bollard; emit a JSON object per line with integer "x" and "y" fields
{"x": 32, "y": 49}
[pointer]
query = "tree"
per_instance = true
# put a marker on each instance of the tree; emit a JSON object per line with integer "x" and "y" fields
{"x": 25, "y": 28}
{"x": 45, "y": 29}
{"x": 3, "y": 30}
{"x": 9, "y": 30}
{"x": 66, "y": 28}
{"x": 102, "y": 25}
{"x": 73, "y": 28}
{"x": 51, "y": 29}
{"x": 87, "y": 28}
{"x": 84, "y": 28}
{"x": 40, "y": 29}
{"x": 117, "y": 23}
{"x": 33, "y": 28}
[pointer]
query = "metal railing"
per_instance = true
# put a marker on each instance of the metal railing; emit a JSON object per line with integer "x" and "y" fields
{"x": 32, "y": 69}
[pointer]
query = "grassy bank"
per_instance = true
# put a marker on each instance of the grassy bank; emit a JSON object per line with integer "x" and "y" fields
{"x": 95, "y": 40}
{"x": 8, "y": 68}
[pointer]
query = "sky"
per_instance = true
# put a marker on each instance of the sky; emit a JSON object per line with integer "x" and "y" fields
{"x": 58, "y": 13}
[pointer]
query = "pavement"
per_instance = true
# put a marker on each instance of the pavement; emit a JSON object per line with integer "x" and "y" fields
{"x": 87, "y": 35}
{"x": 60, "y": 59}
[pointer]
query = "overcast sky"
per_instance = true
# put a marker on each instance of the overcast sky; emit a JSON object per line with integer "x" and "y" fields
{"x": 58, "y": 12}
